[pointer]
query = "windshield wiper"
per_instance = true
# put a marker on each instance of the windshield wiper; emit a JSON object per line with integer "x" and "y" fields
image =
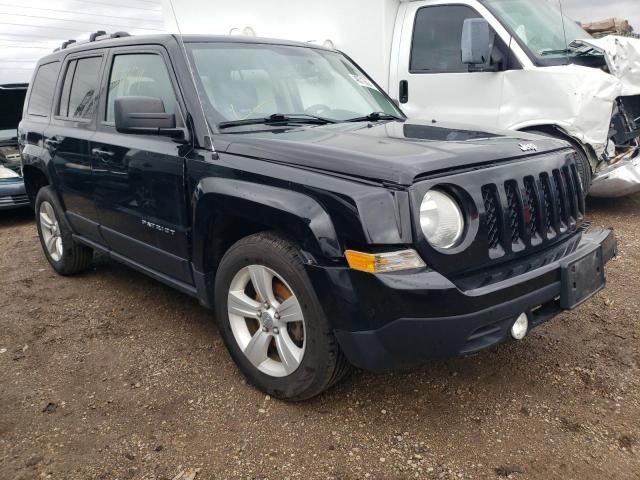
{"x": 279, "y": 119}
{"x": 375, "y": 117}
{"x": 575, "y": 48}
{"x": 563, "y": 51}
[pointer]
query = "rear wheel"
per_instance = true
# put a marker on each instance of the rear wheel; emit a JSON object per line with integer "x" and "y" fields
{"x": 65, "y": 255}
{"x": 272, "y": 321}
{"x": 583, "y": 164}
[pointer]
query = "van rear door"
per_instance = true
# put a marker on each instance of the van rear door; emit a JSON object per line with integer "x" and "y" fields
{"x": 432, "y": 79}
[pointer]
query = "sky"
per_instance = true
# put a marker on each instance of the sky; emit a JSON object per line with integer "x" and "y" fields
{"x": 29, "y": 29}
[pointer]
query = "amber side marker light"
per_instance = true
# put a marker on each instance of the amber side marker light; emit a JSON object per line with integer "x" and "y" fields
{"x": 384, "y": 262}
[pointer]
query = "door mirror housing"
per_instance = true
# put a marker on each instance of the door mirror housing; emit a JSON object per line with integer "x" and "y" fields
{"x": 477, "y": 42}
{"x": 145, "y": 116}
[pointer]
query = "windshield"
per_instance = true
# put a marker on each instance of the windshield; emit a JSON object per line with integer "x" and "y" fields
{"x": 539, "y": 25}
{"x": 244, "y": 81}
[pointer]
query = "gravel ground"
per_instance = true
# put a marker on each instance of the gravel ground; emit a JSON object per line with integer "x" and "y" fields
{"x": 111, "y": 375}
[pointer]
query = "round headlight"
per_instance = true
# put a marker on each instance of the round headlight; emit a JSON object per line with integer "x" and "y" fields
{"x": 441, "y": 219}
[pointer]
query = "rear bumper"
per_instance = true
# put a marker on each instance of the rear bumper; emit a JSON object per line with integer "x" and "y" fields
{"x": 13, "y": 195}
{"x": 423, "y": 316}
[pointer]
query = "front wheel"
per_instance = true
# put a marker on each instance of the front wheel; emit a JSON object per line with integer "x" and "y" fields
{"x": 272, "y": 321}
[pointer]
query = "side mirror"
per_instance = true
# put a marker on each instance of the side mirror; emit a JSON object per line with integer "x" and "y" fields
{"x": 144, "y": 116}
{"x": 477, "y": 42}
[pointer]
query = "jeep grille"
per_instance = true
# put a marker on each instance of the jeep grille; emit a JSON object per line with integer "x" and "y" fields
{"x": 533, "y": 209}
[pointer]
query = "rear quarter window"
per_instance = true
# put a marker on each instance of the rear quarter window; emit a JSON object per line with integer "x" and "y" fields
{"x": 42, "y": 90}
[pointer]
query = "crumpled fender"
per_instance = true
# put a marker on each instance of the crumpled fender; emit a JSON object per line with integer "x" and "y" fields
{"x": 623, "y": 59}
{"x": 578, "y": 99}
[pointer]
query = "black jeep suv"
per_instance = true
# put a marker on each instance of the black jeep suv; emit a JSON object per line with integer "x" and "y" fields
{"x": 277, "y": 182}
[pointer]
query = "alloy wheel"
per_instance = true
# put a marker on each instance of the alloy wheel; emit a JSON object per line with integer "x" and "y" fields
{"x": 50, "y": 228}
{"x": 266, "y": 320}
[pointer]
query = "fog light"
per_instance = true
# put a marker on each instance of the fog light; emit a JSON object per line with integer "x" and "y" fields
{"x": 521, "y": 327}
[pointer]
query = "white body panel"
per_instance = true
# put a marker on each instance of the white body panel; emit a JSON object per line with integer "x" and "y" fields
{"x": 378, "y": 35}
{"x": 363, "y": 29}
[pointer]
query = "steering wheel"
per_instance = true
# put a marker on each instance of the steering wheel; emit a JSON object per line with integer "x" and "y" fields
{"x": 318, "y": 110}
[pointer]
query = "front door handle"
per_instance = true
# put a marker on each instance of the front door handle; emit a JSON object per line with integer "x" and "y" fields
{"x": 404, "y": 91}
{"x": 102, "y": 154}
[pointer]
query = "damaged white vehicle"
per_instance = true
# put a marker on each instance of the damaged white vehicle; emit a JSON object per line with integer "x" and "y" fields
{"x": 511, "y": 64}
{"x": 618, "y": 164}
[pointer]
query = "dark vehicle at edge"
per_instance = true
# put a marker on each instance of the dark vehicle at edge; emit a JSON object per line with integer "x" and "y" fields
{"x": 12, "y": 191}
{"x": 280, "y": 186}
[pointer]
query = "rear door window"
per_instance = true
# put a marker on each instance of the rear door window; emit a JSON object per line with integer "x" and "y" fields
{"x": 139, "y": 75}
{"x": 42, "y": 90}
{"x": 63, "y": 108}
{"x": 83, "y": 93}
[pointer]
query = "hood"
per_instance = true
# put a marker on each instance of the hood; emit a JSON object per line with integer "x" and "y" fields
{"x": 623, "y": 59}
{"x": 11, "y": 103}
{"x": 394, "y": 152}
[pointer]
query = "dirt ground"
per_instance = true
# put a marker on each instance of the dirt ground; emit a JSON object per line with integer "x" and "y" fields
{"x": 111, "y": 375}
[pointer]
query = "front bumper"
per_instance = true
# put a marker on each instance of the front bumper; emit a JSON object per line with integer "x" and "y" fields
{"x": 620, "y": 180}
{"x": 391, "y": 321}
{"x": 13, "y": 194}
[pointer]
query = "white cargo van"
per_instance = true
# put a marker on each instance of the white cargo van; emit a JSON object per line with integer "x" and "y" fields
{"x": 512, "y": 64}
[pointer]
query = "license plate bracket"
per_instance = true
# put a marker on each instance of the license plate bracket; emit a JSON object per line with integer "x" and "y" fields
{"x": 582, "y": 279}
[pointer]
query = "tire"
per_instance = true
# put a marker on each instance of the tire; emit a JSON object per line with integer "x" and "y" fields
{"x": 291, "y": 360}
{"x": 582, "y": 164}
{"x": 65, "y": 255}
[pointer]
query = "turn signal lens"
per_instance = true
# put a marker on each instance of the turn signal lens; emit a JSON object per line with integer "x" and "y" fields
{"x": 384, "y": 262}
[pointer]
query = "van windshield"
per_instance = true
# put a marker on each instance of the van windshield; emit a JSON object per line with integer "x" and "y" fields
{"x": 239, "y": 82}
{"x": 539, "y": 25}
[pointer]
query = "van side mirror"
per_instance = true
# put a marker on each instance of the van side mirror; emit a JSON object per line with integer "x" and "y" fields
{"x": 477, "y": 42}
{"x": 144, "y": 116}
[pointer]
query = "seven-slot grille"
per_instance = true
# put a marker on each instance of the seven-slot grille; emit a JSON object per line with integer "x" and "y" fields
{"x": 533, "y": 209}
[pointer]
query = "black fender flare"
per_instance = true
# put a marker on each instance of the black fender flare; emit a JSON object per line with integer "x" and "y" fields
{"x": 291, "y": 212}
{"x": 35, "y": 176}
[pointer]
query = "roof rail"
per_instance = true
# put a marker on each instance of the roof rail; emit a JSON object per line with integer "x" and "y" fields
{"x": 66, "y": 44}
{"x": 94, "y": 37}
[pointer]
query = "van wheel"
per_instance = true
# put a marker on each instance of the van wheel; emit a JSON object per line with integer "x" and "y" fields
{"x": 582, "y": 164}
{"x": 272, "y": 322}
{"x": 65, "y": 255}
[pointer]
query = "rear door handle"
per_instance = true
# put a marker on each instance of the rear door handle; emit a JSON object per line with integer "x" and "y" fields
{"x": 102, "y": 154}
